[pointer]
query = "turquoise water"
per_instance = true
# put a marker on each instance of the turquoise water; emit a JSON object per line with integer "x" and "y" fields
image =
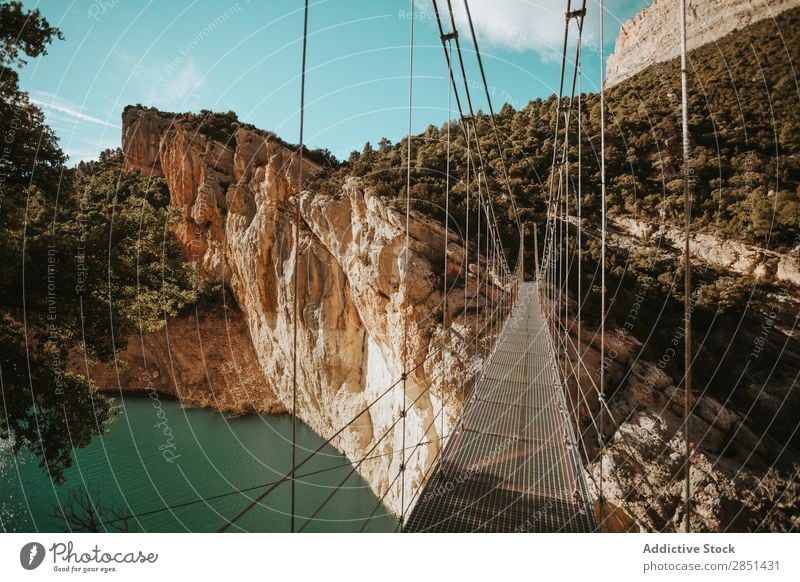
{"x": 157, "y": 453}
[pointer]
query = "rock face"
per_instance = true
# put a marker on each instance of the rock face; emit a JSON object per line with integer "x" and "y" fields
{"x": 653, "y": 36}
{"x": 735, "y": 483}
{"x": 744, "y": 473}
{"x": 727, "y": 254}
{"x": 357, "y": 323}
{"x": 204, "y": 358}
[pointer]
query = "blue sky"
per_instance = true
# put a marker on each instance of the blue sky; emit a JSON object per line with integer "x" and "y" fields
{"x": 245, "y": 56}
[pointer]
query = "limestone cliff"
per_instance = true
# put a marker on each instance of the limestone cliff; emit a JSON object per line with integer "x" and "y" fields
{"x": 730, "y": 255}
{"x": 356, "y": 320}
{"x": 735, "y": 477}
{"x": 653, "y": 36}
{"x": 204, "y": 358}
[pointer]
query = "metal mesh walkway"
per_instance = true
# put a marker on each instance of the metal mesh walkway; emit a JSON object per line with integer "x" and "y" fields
{"x": 511, "y": 464}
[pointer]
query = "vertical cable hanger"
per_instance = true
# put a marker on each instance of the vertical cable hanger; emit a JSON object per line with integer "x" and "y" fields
{"x": 478, "y": 267}
{"x": 446, "y": 235}
{"x": 406, "y": 252}
{"x": 296, "y": 265}
{"x": 466, "y": 229}
{"x": 560, "y": 273}
{"x": 567, "y": 255}
{"x": 687, "y": 269}
{"x": 490, "y": 277}
{"x": 601, "y": 437}
{"x": 470, "y": 118}
{"x": 579, "y": 15}
{"x": 579, "y": 243}
{"x": 554, "y": 203}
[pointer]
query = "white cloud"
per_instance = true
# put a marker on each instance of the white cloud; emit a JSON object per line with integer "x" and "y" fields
{"x": 536, "y": 25}
{"x": 178, "y": 86}
{"x": 50, "y": 102}
{"x": 169, "y": 85}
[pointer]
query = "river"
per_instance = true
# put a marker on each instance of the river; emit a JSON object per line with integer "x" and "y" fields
{"x": 157, "y": 454}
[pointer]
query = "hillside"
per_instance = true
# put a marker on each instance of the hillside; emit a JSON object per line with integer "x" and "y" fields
{"x": 745, "y": 144}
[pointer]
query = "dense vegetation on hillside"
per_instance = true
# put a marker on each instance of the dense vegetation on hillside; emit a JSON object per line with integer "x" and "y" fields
{"x": 745, "y": 144}
{"x": 86, "y": 257}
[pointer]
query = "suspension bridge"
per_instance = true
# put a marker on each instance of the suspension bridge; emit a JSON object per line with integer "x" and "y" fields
{"x": 512, "y": 464}
{"x": 514, "y": 460}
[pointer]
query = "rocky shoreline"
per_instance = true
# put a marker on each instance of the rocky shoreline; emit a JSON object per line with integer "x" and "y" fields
{"x": 204, "y": 358}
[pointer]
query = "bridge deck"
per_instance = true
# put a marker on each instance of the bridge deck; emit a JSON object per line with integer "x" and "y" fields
{"x": 508, "y": 467}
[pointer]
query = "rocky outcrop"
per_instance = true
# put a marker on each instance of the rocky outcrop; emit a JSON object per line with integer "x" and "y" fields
{"x": 653, "y": 36}
{"x": 644, "y": 471}
{"x": 745, "y": 462}
{"x": 358, "y": 326}
{"x": 764, "y": 265}
{"x": 735, "y": 483}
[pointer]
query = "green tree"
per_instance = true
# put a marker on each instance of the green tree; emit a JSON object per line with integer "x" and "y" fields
{"x": 86, "y": 259}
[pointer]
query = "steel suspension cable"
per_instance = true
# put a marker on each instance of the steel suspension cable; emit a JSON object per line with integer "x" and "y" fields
{"x": 311, "y": 455}
{"x": 687, "y": 268}
{"x": 579, "y": 15}
{"x": 478, "y": 311}
{"x": 235, "y": 491}
{"x": 350, "y": 473}
{"x": 560, "y": 98}
{"x": 368, "y": 456}
{"x": 358, "y": 464}
{"x": 492, "y": 117}
{"x": 380, "y": 501}
{"x": 327, "y": 441}
{"x": 296, "y": 266}
{"x": 471, "y": 118}
{"x": 579, "y": 241}
{"x": 488, "y": 291}
{"x": 602, "y": 439}
{"x": 445, "y": 308}
{"x": 403, "y": 410}
{"x": 460, "y": 58}
{"x": 561, "y": 263}
{"x": 466, "y": 230}
{"x": 552, "y": 207}
{"x": 241, "y": 490}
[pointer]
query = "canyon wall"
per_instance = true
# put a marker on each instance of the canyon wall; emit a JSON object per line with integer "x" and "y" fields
{"x": 735, "y": 483}
{"x": 357, "y": 322}
{"x": 204, "y": 358}
{"x": 766, "y": 266}
{"x": 653, "y": 36}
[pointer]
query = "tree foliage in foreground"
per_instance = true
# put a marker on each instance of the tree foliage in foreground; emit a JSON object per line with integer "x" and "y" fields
{"x": 86, "y": 259}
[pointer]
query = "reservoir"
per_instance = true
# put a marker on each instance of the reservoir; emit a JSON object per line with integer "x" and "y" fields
{"x": 208, "y": 470}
